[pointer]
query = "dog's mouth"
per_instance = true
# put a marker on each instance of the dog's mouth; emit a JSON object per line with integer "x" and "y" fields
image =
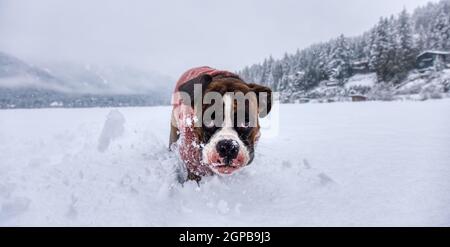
{"x": 224, "y": 166}
{"x": 225, "y": 169}
{"x": 225, "y": 156}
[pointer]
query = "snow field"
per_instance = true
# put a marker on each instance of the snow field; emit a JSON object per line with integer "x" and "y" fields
{"x": 342, "y": 164}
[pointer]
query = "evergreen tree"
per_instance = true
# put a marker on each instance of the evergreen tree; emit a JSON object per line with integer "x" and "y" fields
{"x": 406, "y": 51}
{"x": 339, "y": 64}
{"x": 381, "y": 49}
{"x": 440, "y": 31}
{"x": 277, "y": 75}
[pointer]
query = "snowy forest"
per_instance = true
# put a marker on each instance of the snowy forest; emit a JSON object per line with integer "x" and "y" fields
{"x": 389, "y": 51}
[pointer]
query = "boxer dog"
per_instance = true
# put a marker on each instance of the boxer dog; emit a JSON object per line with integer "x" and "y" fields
{"x": 215, "y": 121}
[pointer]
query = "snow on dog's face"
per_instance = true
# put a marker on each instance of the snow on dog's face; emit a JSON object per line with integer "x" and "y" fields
{"x": 229, "y": 130}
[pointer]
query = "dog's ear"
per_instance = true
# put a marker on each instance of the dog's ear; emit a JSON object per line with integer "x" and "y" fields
{"x": 264, "y": 97}
{"x": 189, "y": 86}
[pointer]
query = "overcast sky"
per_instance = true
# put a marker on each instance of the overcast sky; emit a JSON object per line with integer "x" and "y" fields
{"x": 171, "y": 36}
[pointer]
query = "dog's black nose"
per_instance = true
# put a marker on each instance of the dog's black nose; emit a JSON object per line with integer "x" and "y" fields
{"x": 228, "y": 150}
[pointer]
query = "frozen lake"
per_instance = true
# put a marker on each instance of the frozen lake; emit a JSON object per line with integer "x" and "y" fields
{"x": 341, "y": 164}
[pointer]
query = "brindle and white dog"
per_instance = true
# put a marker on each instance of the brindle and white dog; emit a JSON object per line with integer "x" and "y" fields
{"x": 215, "y": 125}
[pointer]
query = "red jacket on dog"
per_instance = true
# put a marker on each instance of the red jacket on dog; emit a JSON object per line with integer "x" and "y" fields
{"x": 196, "y": 72}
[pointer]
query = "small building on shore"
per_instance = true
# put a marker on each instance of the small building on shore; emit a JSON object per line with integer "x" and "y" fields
{"x": 358, "y": 97}
{"x": 429, "y": 59}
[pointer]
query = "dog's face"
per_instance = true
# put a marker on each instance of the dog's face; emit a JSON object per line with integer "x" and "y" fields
{"x": 230, "y": 126}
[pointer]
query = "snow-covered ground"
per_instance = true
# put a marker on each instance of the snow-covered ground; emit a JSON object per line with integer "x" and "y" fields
{"x": 428, "y": 84}
{"x": 418, "y": 86}
{"x": 361, "y": 80}
{"x": 342, "y": 164}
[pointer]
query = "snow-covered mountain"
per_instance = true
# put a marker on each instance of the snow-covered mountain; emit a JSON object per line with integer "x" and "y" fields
{"x": 15, "y": 73}
{"x": 70, "y": 84}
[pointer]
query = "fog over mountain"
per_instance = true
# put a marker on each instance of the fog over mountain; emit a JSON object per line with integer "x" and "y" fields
{"x": 68, "y": 84}
{"x": 15, "y": 73}
{"x": 71, "y": 77}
